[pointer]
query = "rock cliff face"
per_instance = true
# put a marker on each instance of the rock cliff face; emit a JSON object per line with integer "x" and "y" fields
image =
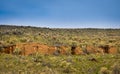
{"x": 33, "y": 48}
{"x": 108, "y": 49}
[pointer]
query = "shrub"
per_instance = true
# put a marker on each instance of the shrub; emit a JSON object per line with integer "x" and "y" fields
{"x": 116, "y": 68}
{"x": 17, "y": 51}
{"x": 104, "y": 70}
{"x": 73, "y": 47}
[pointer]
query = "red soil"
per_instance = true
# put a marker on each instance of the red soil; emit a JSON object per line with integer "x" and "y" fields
{"x": 113, "y": 50}
{"x": 32, "y": 48}
{"x": 9, "y": 49}
{"x": 78, "y": 51}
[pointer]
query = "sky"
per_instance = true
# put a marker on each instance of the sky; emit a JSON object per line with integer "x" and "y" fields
{"x": 61, "y": 13}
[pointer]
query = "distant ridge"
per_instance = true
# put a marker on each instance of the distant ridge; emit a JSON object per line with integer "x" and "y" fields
{"x": 7, "y": 25}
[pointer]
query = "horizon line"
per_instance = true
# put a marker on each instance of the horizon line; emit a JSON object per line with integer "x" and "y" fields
{"x": 18, "y": 25}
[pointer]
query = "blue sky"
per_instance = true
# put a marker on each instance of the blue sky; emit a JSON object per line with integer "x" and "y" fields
{"x": 61, "y": 13}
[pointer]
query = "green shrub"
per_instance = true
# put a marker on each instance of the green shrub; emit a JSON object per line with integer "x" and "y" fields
{"x": 104, "y": 70}
{"x": 116, "y": 68}
{"x": 17, "y": 51}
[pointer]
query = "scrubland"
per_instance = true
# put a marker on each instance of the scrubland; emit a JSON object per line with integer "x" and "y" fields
{"x": 37, "y": 63}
